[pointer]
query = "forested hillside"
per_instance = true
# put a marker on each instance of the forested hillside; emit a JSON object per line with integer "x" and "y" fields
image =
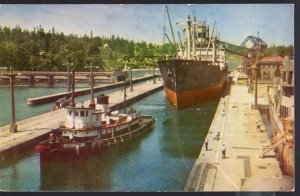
{"x": 39, "y": 50}
{"x": 50, "y": 51}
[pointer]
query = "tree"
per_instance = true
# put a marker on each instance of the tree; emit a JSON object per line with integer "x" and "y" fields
{"x": 22, "y": 49}
{"x": 97, "y": 61}
{"x": 93, "y": 49}
{"x": 8, "y": 50}
{"x": 21, "y": 58}
{"x": 76, "y": 54}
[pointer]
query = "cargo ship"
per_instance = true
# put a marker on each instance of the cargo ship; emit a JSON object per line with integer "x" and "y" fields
{"x": 90, "y": 129}
{"x": 197, "y": 72}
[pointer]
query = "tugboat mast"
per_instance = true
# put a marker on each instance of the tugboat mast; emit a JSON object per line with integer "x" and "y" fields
{"x": 92, "y": 103}
{"x": 72, "y": 104}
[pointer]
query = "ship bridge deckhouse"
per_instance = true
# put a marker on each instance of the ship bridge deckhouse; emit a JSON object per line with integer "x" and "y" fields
{"x": 83, "y": 118}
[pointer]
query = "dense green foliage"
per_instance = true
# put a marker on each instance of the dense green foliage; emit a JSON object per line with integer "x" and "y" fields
{"x": 279, "y": 50}
{"x": 40, "y": 50}
{"x": 51, "y": 51}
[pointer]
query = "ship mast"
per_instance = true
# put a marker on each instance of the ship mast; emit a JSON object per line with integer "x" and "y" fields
{"x": 210, "y": 40}
{"x": 174, "y": 47}
{"x": 189, "y": 22}
{"x": 193, "y": 35}
{"x": 171, "y": 29}
{"x": 180, "y": 44}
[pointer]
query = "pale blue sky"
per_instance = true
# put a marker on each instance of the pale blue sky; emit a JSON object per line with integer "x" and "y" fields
{"x": 234, "y": 22}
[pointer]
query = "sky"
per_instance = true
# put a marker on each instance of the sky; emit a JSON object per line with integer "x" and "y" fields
{"x": 145, "y": 22}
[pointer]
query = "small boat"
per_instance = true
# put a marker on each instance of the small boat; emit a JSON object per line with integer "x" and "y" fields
{"x": 91, "y": 129}
{"x": 62, "y": 102}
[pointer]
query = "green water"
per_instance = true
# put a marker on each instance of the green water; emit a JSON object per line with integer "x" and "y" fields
{"x": 22, "y": 93}
{"x": 160, "y": 160}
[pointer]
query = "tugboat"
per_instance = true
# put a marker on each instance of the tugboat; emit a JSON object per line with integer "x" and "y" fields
{"x": 91, "y": 129}
{"x": 198, "y": 71}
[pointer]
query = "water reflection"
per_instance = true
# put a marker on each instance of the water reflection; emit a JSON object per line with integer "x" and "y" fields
{"x": 185, "y": 128}
{"x": 93, "y": 173}
{"x": 159, "y": 160}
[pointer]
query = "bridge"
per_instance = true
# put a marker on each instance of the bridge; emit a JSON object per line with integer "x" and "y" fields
{"x": 61, "y": 73}
{"x": 51, "y": 76}
{"x": 242, "y": 50}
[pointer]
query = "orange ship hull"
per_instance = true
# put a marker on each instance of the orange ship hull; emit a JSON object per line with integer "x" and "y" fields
{"x": 193, "y": 97}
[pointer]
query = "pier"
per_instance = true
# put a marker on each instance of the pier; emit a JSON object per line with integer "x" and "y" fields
{"x": 243, "y": 168}
{"x": 31, "y": 129}
{"x": 54, "y": 97}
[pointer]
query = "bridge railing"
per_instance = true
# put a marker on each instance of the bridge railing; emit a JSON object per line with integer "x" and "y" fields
{"x": 60, "y": 73}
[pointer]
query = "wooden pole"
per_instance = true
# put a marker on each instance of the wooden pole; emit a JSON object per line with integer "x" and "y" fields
{"x": 131, "y": 88}
{"x": 13, "y": 125}
{"x": 125, "y": 92}
{"x": 154, "y": 81}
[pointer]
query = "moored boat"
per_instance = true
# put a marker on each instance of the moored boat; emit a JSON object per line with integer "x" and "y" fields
{"x": 62, "y": 102}
{"x": 90, "y": 130}
{"x": 198, "y": 71}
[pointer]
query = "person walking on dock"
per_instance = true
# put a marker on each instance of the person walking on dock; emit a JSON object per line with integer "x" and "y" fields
{"x": 206, "y": 144}
{"x": 259, "y": 125}
{"x": 223, "y": 151}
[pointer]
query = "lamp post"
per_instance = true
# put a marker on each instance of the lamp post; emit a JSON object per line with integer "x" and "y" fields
{"x": 131, "y": 88}
{"x": 92, "y": 102}
{"x": 148, "y": 68}
{"x": 125, "y": 73}
{"x": 130, "y": 64}
{"x": 154, "y": 81}
{"x": 69, "y": 89}
{"x": 13, "y": 125}
{"x": 255, "y": 74}
{"x": 68, "y": 64}
{"x": 255, "y": 88}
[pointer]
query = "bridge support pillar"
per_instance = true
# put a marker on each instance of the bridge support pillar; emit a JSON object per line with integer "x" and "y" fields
{"x": 112, "y": 78}
{"x": 50, "y": 81}
{"x": 31, "y": 81}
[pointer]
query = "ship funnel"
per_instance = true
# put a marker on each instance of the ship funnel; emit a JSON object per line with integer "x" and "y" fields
{"x": 102, "y": 104}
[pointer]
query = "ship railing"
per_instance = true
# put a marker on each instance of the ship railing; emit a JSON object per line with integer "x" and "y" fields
{"x": 88, "y": 125}
{"x": 96, "y": 124}
{"x": 210, "y": 58}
